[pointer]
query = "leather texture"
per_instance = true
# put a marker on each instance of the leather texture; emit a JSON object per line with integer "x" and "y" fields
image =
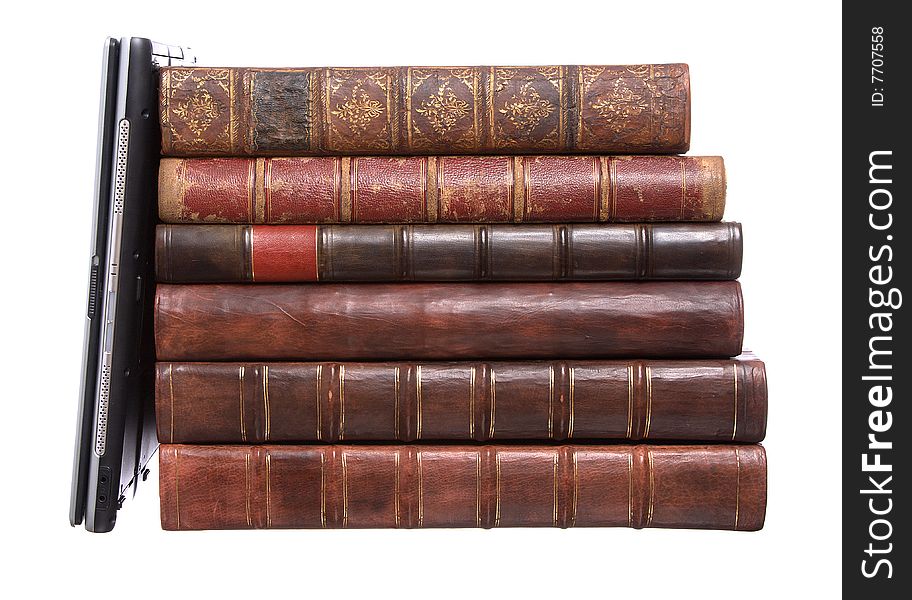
{"x": 302, "y": 253}
{"x": 695, "y": 400}
{"x": 440, "y": 321}
{"x": 247, "y": 487}
{"x": 425, "y": 110}
{"x": 441, "y": 189}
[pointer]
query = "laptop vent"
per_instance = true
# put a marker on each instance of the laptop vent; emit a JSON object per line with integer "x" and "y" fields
{"x": 120, "y": 174}
{"x": 101, "y": 426}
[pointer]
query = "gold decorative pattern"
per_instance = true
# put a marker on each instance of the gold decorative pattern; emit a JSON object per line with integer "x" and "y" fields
{"x": 443, "y": 109}
{"x": 358, "y": 111}
{"x": 615, "y": 109}
{"x": 199, "y": 110}
{"x": 527, "y": 109}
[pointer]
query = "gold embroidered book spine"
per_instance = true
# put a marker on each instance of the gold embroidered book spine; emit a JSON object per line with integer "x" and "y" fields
{"x": 641, "y": 109}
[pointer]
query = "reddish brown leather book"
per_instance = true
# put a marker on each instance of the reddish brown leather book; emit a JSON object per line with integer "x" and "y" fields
{"x": 441, "y": 189}
{"x": 300, "y": 253}
{"x": 695, "y": 400}
{"x": 247, "y": 487}
{"x": 425, "y": 110}
{"x": 440, "y": 321}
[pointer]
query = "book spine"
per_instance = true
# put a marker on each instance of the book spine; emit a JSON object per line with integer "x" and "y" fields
{"x": 248, "y": 487}
{"x": 425, "y": 110}
{"x": 302, "y": 253}
{"x": 256, "y": 403}
{"x": 439, "y": 321}
{"x": 441, "y": 189}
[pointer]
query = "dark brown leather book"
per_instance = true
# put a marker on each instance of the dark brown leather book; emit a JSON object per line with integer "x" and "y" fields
{"x": 247, "y": 487}
{"x": 695, "y": 400}
{"x": 425, "y": 110}
{"x": 300, "y": 253}
{"x": 441, "y": 189}
{"x": 442, "y": 321}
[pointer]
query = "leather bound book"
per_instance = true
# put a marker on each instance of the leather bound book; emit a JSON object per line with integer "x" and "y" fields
{"x": 425, "y": 110}
{"x": 255, "y": 403}
{"x": 248, "y": 487}
{"x": 441, "y": 189}
{"x": 441, "y": 321}
{"x": 299, "y": 253}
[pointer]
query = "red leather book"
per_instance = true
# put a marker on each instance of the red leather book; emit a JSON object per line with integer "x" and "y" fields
{"x": 440, "y": 321}
{"x": 425, "y": 110}
{"x": 441, "y": 189}
{"x": 688, "y": 400}
{"x": 247, "y": 487}
{"x": 300, "y": 253}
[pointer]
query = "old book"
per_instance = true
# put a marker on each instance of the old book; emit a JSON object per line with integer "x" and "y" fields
{"x": 245, "y": 487}
{"x": 425, "y": 110}
{"x": 441, "y": 189}
{"x": 441, "y": 321}
{"x": 687, "y": 400}
{"x": 298, "y": 253}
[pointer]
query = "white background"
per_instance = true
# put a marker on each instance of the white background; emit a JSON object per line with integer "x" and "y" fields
{"x": 766, "y": 96}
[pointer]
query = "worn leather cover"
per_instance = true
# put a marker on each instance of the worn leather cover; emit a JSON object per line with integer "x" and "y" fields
{"x": 425, "y": 110}
{"x": 688, "y": 400}
{"x": 441, "y": 189}
{"x": 293, "y": 253}
{"x": 441, "y": 321}
{"x": 246, "y": 487}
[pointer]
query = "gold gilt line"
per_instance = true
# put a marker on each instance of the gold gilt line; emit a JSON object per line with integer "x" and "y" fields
{"x": 554, "y": 478}
{"x": 493, "y": 404}
{"x": 397, "y": 485}
{"x": 408, "y": 103}
{"x": 420, "y": 494}
{"x": 171, "y": 388}
{"x": 491, "y": 104}
{"x": 570, "y": 431}
{"x": 418, "y": 392}
{"x": 737, "y": 487}
{"x": 651, "y": 488}
{"x": 575, "y": 487}
{"x": 472, "y": 404}
{"x": 551, "y": 402}
{"x": 342, "y": 403}
{"x": 177, "y": 498}
{"x": 683, "y": 189}
{"x": 247, "y": 488}
{"x": 396, "y": 410}
{"x": 319, "y": 401}
{"x": 241, "y": 373}
{"x": 497, "y": 491}
{"x": 735, "y": 419}
{"x": 231, "y": 124}
{"x": 629, "y": 401}
{"x": 648, "y": 401}
{"x": 630, "y": 490}
{"x": 478, "y": 490}
{"x": 266, "y": 400}
{"x": 322, "y": 490}
{"x": 344, "y": 491}
{"x": 268, "y": 468}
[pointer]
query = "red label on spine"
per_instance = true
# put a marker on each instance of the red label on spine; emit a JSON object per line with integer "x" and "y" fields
{"x": 284, "y": 253}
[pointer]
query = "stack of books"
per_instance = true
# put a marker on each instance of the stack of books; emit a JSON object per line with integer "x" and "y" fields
{"x": 449, "y": 297}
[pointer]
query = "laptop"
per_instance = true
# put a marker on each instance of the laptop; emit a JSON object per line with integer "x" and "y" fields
{"x": 115, "y": 437}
